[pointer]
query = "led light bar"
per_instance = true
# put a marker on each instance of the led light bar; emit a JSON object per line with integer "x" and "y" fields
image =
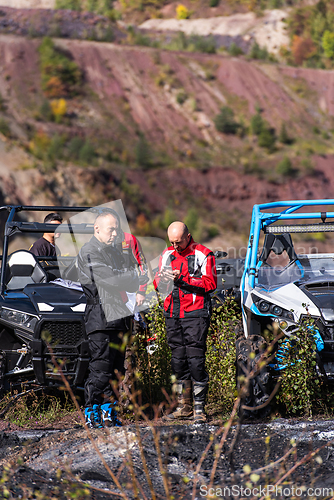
{"x": 300, "y": 228}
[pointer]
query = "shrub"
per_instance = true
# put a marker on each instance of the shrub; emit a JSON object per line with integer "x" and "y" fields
{"x": 300, "y": 388}
{"x": 182, "y": 12}
{"x": 143, "y": 153}
{"x": 4, "y": 128}
{"x": 327, "y": 43}
{"x": 87, "y": 153}
{"x": 205, "y": 44}
{"x": 45, "y": 111}
{"x": 2, "y": 104}
{"x": 191, "y": 219}
{"x": 102, "y": 7}
{"x": 213, "y": 231}
{"x": 214, "y": 3}
{"x": 192, "y": 43}
{"x": 61, "y": 77}
{"x": 285, "y": 167}
{"x": 59, "y": 108}
{"x": 74, "y": 147}
{"x": 225, "y": 122}
{"x": 257, "y": 52}
{"x": 154, "y": 370}
{"x": 257, "y": 124}
{"x": 40, "y": 145}
{"x": 55, "y": 149}
{"x": 234, "y": 50}
{"x": 302, "y": 49}
{"x": 267, "y": 138}
{"x": 181, "y": 97}
{"x": 68, "y": 4}
{"x": 220, "y": 357}
{"x": 136, "y": 37}
{"x": 284, "y": 137}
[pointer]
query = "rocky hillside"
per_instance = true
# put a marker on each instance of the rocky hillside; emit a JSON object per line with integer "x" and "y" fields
{"x": 141, "y": 124}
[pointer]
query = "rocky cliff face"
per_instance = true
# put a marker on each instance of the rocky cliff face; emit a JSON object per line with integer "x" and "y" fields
{"x": 133, "y": 92}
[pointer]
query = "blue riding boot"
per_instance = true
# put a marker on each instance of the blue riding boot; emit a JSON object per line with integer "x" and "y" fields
{"x": 109, "y": 415}
{"x": 93, "y": 417}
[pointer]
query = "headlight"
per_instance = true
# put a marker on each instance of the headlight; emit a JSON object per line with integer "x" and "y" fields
{"x": 263, "y": 306}
{"x": 19, "y": 318}
{"x": 277, "y": 310}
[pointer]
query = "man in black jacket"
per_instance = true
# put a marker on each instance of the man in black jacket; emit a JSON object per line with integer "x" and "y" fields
{"x": 105, "y": 278}
{"x": 46, "y": 246}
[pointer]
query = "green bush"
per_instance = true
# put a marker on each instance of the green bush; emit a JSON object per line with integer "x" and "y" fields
{"x": 181, "y": 97}
{"x": 220, "y": 357}
{"x": 136, "y": 37}
{"x": 61, "y": 77}
{"x": 225, "y": 122}
{"x": 284, "y": 137}
{"x": 56, "y": 149}
{"x": 74, "y": 147}
{"x": 154, "y": 372}
{"x": 267, "y": 138}
{"x": 257, "y": 124}
{"x": 300, "y": 389}
{"x": 257, "y": 52}
{"x": 45, "y": 111}
{"x": 315, "y": 23}
{"x": 2, "y": 103}
{"x": 328, "y": 44}
{"x": 68, "y": 4}
{"x": 192, "y": 43}
{"x": 87, "y": 153}
{"x": 285, "y": 167}
{"x": 214, "y": 3}
{"x": 5, "y": 128}
{"x": 234, "y": 50}
{"x": 143, "y": 152}
{"x": 206, "y": 44}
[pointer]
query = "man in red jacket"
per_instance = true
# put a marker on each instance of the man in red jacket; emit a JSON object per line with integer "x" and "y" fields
{"x": 186, "y": 276}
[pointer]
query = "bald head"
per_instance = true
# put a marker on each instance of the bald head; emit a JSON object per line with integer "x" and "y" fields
{"x": 178, "y": 235}
{"x": 105, "y": 228}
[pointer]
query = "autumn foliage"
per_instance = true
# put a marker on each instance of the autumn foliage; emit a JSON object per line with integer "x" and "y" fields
{"x": 302, "y": 49}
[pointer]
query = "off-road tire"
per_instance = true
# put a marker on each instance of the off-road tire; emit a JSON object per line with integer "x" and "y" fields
{"x": 260, "y": 386}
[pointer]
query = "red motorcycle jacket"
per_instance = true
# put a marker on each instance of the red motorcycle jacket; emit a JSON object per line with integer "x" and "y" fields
{"x": 189, "y": 296}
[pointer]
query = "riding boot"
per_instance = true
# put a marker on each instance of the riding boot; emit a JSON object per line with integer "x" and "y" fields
{"x": 200, "y": 390}
{"x": 184, "y": 409}
{"x": 93, "y": 417}
{"x": 109, "y": 415}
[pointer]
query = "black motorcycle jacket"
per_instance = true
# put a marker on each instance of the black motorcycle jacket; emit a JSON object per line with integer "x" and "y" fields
{"x": 105, "y": 279}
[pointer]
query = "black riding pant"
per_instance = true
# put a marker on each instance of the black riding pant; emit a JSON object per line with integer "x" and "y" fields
{"x": 187, "y": 339}
{"x": 105, "y": 359}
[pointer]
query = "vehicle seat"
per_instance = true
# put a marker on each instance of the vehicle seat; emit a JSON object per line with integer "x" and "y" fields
{"x": 277, "y": 243}
{"x": 71, "y": 272}
{"x": 23, "y": 269}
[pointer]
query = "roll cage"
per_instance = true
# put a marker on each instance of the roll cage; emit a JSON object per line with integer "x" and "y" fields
{"x": 13, "y": 227}
{"x": 265, "y": 220}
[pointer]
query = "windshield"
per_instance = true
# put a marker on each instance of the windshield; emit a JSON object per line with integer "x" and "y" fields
{"x": 307, "y": 267}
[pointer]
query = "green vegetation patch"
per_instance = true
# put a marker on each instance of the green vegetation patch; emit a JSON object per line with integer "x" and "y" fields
{"x": 61, "y": 77}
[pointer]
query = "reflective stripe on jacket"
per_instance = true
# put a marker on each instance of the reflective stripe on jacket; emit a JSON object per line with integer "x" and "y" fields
{"x": 189, "y": 296}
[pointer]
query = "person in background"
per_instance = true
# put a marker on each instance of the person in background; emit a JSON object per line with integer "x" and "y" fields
{"x": 46, "y": 245}
{"x": 186, "y": 276}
